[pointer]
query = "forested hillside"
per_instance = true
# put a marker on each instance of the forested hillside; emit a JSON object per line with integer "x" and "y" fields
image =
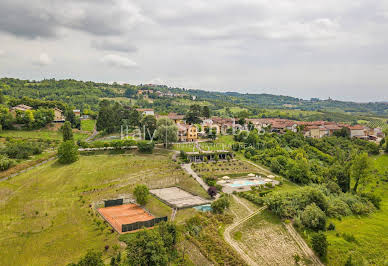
{"x": 87, "y": 95}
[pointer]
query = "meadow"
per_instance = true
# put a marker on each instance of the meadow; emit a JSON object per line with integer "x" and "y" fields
{"x": 370, "y": 232}
{"x": 39, "y": 134}
{"x": 50, "y": 206}
{"x": 88, "y": 125}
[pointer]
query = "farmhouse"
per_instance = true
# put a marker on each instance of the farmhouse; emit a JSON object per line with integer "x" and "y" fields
{"x": 58, "y": 115}
{"x": 187, "y": 132}
{"x": 146, "y": 111}
{"x": 20, "y": 107}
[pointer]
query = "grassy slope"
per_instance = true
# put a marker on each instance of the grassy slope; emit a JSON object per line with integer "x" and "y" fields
{"x": 68, "y": 230}
{"x": 38, "y": 134}
{"x": 88, "y": 125}
{"x": 371, "y": 232}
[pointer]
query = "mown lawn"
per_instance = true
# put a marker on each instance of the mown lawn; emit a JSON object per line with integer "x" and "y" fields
{"x": 46, "y": 216}
{"x": 88, "y": 125}
{"x": 371, "y": 232}
{"x": 39, "y": 134}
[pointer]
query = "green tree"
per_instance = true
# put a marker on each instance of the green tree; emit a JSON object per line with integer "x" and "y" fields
{"x": 360, "y": 170}
{"x": 319, "y": 244}
{"x": 67, "y": 152}
{"x": 193, "y": 116}
{"x": 92, "y": 258}
{"x": 221, "y": 204}
{"x": 147, "y": 248}
{"x": 166, "y": 131}
{"x": 148, "y": 126}
{"x": 141, "y": 193}
{"x": 145, "y": 146}
{"x": 67, "y": 132}
{"x": 386, "y": 144}
{"x": 313, "y": 217}
{"x": 206, "y": 111}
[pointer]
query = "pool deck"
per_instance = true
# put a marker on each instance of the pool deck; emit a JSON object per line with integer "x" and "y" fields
{"x": 228, "y": 188}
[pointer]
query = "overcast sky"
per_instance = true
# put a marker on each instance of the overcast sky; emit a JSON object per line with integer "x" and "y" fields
{"x": 320, "y": 48}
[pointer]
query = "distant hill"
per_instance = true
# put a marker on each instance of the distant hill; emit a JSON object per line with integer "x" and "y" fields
{"x": 88, "y": 94}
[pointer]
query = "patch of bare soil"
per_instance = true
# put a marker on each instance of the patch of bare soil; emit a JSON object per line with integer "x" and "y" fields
{"x": 266, "y": 240}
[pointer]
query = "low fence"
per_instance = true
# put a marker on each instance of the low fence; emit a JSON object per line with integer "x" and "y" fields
{"x": 115, "y": 202}
{"x": 140, "y": 225}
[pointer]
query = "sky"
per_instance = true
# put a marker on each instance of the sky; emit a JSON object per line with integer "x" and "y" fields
{"x": 301, "y": 48}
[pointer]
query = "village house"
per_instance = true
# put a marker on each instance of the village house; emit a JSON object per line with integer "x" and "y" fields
{"x": 146, "y": 111}
{"x": 178, "y": 119}
{"x": 187, "y": 133}
{"x": 58, "y": 115}
{"x": 77, "y": 112}
{"x": 357, "y": 131}
{"x": 20, "y": 107}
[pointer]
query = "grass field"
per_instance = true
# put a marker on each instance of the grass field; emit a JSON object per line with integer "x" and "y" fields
{"x": 45, "y": 213}
{"x": 88, "y": 125}
{"x": 191, "y": 102}
{"x": 39, "y": 134}
{"x": 234, "y": 109}
{"x": 371, "y": 232}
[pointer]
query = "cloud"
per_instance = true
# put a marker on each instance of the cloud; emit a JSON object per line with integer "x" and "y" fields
{"x": 2, "y": 52}
{"x": 118, "y": 61}
{"x": 46, "y": 18}
{"x": 43, "y": 60}
{"x": 114, "y": 45}
{"x": 231, "y": 45}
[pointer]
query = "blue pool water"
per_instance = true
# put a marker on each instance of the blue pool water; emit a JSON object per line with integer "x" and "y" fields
{"x": 203, "y": 208}
{"x": 247, "y": 183}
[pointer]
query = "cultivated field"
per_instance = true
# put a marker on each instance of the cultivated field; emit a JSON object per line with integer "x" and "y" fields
{"x": 232, "y": 168}
{"x": 370, "y": 232}
{"x": 266, "y": 241}
{"x": 48, "y": 206}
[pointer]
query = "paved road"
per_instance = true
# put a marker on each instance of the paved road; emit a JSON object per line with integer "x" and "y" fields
{"x": 187, "y": 168}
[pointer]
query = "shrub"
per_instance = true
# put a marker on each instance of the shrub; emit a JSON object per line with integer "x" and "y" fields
{"x": 145, "y": 146}
{"x": 67, "y": 152}
{"x": 5, "y": 162}
{"x": 141, "y": 193}
{"x": 22, "y": 150}
{"x": 349, "y": 237}
{"x": 331, "y": 227}
{"x": 313, "y": 217}
{"x": 338, "y": 208}
{"x": 372, "y": 198}
{"x": 319, "y": 244}
{"x": 220, "y": 205}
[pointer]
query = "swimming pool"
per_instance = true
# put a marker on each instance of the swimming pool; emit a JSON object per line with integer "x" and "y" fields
{"x": 247, "y": 183}
{"x": 203, "y": 208}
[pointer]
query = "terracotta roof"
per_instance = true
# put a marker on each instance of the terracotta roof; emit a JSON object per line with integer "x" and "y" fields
{"x": 356, "y": 127}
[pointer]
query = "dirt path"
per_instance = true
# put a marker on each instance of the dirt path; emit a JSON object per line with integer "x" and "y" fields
{"x": 242, "y": 203}
{"x": 28, "y": 168}
{"x": 229, "y": 229}
{"x": 302, "y": 244}
{"x": 187, "y": 168}
{"x": 95, "y": 132}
